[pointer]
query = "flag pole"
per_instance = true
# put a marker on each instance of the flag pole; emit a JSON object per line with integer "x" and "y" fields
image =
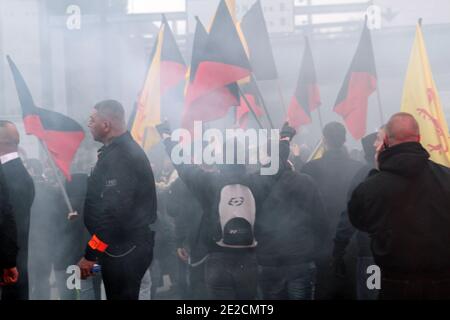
{"x": 380, "y": 109}
{"x": 320, "y": 118}
{"x": 311, "y": 156}
{"x": 263, "y": 103}
{"x": 280, "y": 94}
{"x": 72, "y": 214}
{"x": 249, "y": 107}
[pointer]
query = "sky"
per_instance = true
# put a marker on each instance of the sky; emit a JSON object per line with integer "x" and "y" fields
{"x": 146, "y": 6}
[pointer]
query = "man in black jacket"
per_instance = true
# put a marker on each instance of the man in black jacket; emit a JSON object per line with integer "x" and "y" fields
{"x": 191, "y": 252}
{"x": 120, "y": 206}
{"x": 288, "y": 229}
{"x": 21, "y": 195}
{"x": 405, "y": 208}
{"x": 332, "y": 173}
{"x": 345, "y": 230}
{"x": 8, "y": 237}
{"x": 231, "y": 270}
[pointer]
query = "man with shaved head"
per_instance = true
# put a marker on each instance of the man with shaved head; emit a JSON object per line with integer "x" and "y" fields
{"x": 21, "y": 196}
{"x": 120, "y": 206}
{"x": 405, "y": 207}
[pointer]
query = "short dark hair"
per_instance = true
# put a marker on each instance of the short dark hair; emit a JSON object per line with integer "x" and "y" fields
{"x": 334, "y": 134}
{"x": 111, "y": 109}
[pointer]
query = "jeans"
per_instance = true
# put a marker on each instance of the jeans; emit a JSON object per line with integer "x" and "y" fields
{"x": 122, "y": 274}
{"x": 293, "y": 282}
{"x": 362, "y": 291}
{"x": 231, "y": 276}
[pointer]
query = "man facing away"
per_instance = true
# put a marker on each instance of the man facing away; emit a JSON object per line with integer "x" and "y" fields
{"x": 405, "y": 207}
{"x": 333, "y": 174}
{"x": 120, "y": 206}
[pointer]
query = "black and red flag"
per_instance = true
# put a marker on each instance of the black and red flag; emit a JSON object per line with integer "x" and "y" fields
{"x": 254, "y": 29}
{"x": 307, "y": 96}
{"x": 250, "y": 90}
{"x": 221, "y": 62}
{"x": 211, "y": 105}
{"x": 172, "y": 66}
{"x": 61, "y": 135}
{"x": 359, "y": 83}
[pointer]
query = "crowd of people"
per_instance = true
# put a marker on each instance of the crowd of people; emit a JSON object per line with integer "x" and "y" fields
{"x": 182, "y": 231}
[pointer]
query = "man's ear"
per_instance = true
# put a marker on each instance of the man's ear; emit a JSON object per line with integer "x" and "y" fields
{"x": 386, "y": 140}
{"x": 418, "y": 138}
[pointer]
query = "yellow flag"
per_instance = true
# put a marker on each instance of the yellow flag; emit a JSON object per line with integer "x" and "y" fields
{"x": 421, "y": 99}
{"x": 318, "y": 151}
{"x": 148, "y": 113}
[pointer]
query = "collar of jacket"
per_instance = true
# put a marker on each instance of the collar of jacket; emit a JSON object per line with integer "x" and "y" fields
{"x": 336, "y": 153}
{"x": 115, "y": 141}
{"x": 406, "y": 159}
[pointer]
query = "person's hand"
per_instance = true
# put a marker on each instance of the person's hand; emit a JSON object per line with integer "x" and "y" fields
{"x": 10, "y": 276}
{"x": 85, "y": 267}
{"x": 183, "y": 254}
{"x": 380, "y": 148}
{"x": 287, "y": 132}
{"x": 164, "y": 129}
{"x": 295, "y": 148}
{"x": 338, "y": 266}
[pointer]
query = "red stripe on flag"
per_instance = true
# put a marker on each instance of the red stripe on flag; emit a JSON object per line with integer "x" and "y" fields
{"x": 243, "y": 110}
{"x": 354, "y": 107}
{"x": 313, "y": 97}
{"x": 33, "y": 125}
{"x": 211, "y": 76}
{"x": 297, "y": 115}
{"x": 209, "y": 107}
{"x": 171, "y": 74}
{"x": 62, "y": 145}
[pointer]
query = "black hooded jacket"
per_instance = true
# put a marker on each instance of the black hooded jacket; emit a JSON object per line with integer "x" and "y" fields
{"x": 333, "y": 174}
{"x": 206, "y": 187}
{"x": 405, "y": 207}
{"x": 291, "y": 221}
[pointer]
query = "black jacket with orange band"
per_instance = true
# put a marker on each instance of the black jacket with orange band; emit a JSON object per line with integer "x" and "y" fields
{"x": 121, "y": 198}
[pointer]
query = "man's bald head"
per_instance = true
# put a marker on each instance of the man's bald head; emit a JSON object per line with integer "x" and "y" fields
{"x": 9, "y": 137}
{"x": 111, "y": 110}
{"x": 401, "y": 128}
{"x": 107, "y": 121}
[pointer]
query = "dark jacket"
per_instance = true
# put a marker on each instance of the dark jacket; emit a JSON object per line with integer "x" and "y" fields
{"x": 406, "y": 210}
{"x": 8, "y": 228}
{"x": 187, "y": 214}
{"x": 291, "y": 221}
{"x": 297, "y": 162}
{"x": 121, "y": 198}
{"x": 333, "y": 174}
{"x": 206, "y": 187}
{"x": 345, "y": 230}
{"x": 21, "y": 196}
